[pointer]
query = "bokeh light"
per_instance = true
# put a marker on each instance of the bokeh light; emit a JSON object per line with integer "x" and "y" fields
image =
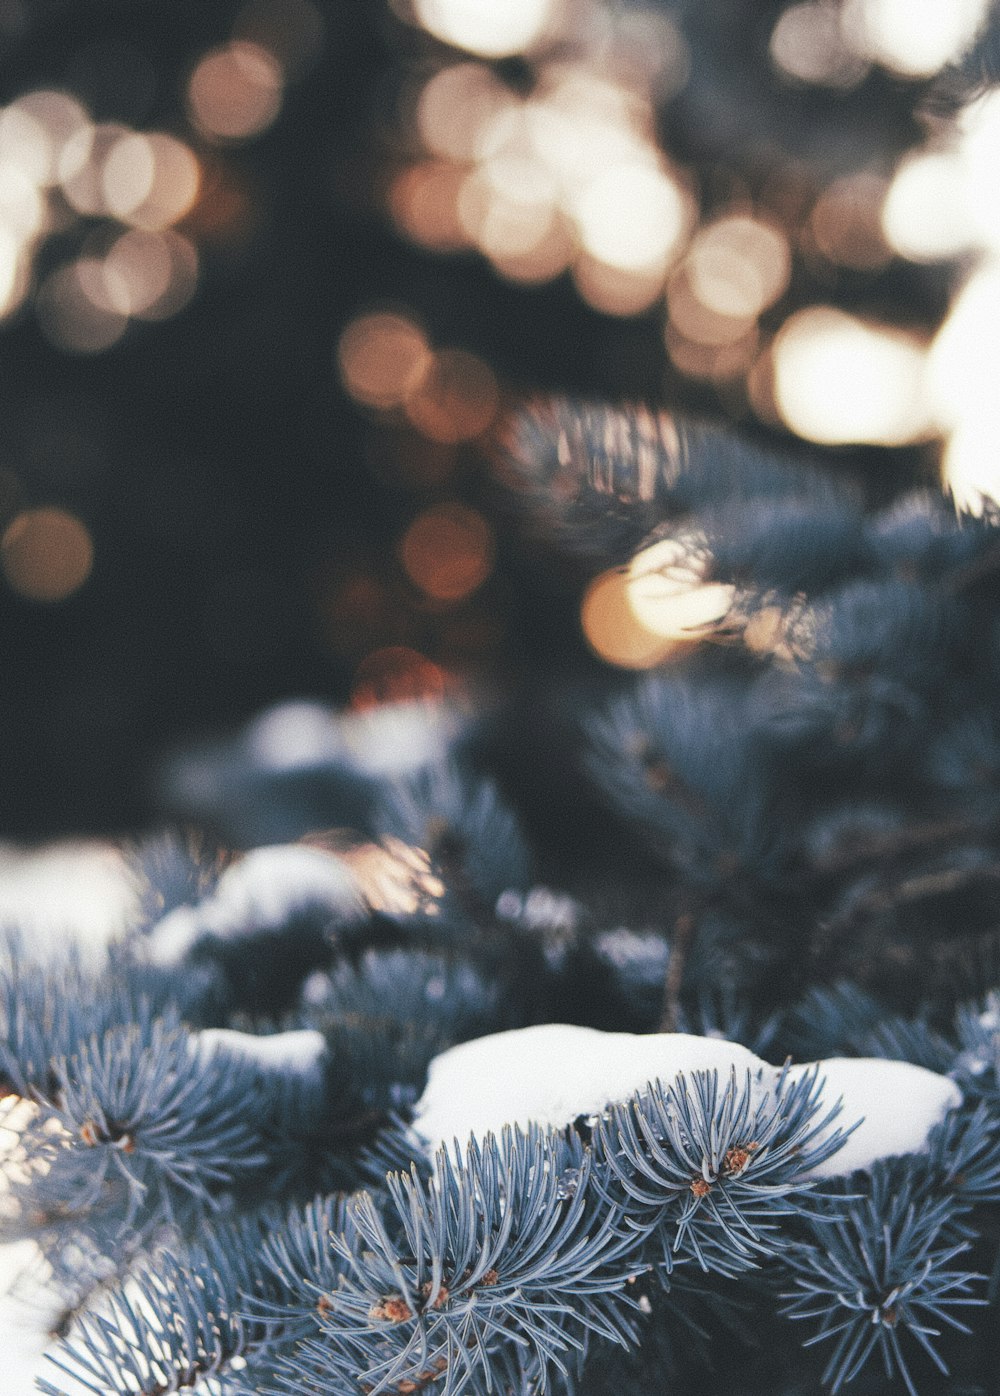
{"x": 667, "y": 592}
{"x": 235, "y": 91}
{"x": 738, "y": 266}
{"x": 396, "y": 674}
{"x": 423, "y": 200}
{"x": 383, "y": 358}
{"x": 809, "y": 46}
{"x": 846, "y": 222}
{"x": 35, "y": 129}
{"x": 456, "y": 399}
{"x": 612, "y": 629}
{"x": 150, "y": 181}
{"x": 47, "y": 554}
{"x": 448, "y": 551}
{"x": 649, "y": 234}
{"x": 455, "y": 105}
{"x": 962, "y": 379}
{"x": 493, "y": 31}
{"x": 150, "y": 276}
{"x": 926, "y": 215}
{"x": 81, "y": 166}
{"x": 74, "y": 310}
{"x": 915, "y": 38}
{"x": 839, "y": 379}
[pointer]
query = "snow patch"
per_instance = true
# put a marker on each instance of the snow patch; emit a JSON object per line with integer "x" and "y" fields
{"x": 555, "y": 1073}
{"x": 300, "y": 1051}
{"x": 258, "y": 894}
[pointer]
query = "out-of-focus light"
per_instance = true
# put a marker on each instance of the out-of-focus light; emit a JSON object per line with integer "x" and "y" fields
{"x": 81, "y": 165}
{"x": 546, "y": 260}
{"x": 963, "y": 387}
{"x": 738, "y": 266}
{"x": 73, "y": 310}
{"x": 979, "y": 151}
{"x": 46, "y": 554}
{"x": 291, "y": 30}
{"x": 614, "y": 290}
{"x": 423, "y": 201}
{"x": 235, "y": 91}
{"x": 456, "y": 399}
{"x": 840, "y": 380}
{"x": 455, "y": 104}
{"x": 150, "y": 276}
{"x": 493, "y": 31}
{"x": 507, "y": 206}
{"x": 150, "y": 181}
{"x": 633, "y": 217}
{"x": 15, "y": 273}
{"x": 447, "y": 551}
{"x": 22, "y": 208}
{"x": 913, "y": 37}
{"x": 34, "y": 130}
{"x": 717, "y": 363}
{"x": 926, "y": 216}
{"x": 667, "y": 595}
{"x": 613, "y": 630}
{"x": 701, "y": 323}
{"x": 396, "y": 674}
{"x": 808, "y": 44}
{"x": 846, "y": 224}
{"x": 383, "y": 358}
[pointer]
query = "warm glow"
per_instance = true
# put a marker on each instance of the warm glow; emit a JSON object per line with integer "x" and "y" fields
{"x": 963, "y": 362}
{"x": 235, "y": 91}
{"x": 846, "y": 224}
{"x": 73, "y": 308}
{"x": 10, "y": 270}
{"x": 22, "y": 208}
{"x": 617, "y": 290}
{"x": 150, "y": 276}
{"x": 963, "y": 357}
{"x": 979, "y": 151}
{"x": 480, "y": 26}
{"x": 150, "y": 181}
{"x": 46, "y": 554}
{"x": 839, "y": 380}
{"x": 508, "y": 206}
{"x": 447, "y": 551}
{"x": 454, "y": 106}
{"x": 396, "y": 674}
{"x": 33, "y": 131}
{"x": 808, "y": 44}
{"x": 633, "y": 217}
{"x": 925, "y": 216}
{"x": 81, "y": 165}
{"x": 715, "y": 362}
{"x": 382, "y": 358}
{"x": 546, "y": 260}
{"x": 613, "y": 630}
{"x": 457, "y": 398}
{"x": 913, "y": 37}
{"x": 667, "y": 595}
{"x": 423, "y": 201}
{"x": 700, "y": 323}
{"x": 738, "y": 266}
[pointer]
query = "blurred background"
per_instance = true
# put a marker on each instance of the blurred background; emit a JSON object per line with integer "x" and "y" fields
{"x": 272, "y": 272}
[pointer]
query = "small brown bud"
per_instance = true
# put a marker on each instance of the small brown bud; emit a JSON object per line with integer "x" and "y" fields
{"x": 441, "y": 1298}
{"x": 393, "y": 1308}
{"x": 89, "y": 1133}
{"x": 700, "y": 1187}
{"x": 737, "y": 1159}
{"x": 490, "y": 1277}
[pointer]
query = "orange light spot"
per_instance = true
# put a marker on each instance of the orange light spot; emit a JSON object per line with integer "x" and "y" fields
{"x": 235, "y": 91}
{"x": 423, "y": 202}
{"x": 383, "y": 359}
{"x": 396, "y": 675}
{"x": 456, "y": 400}
{"x": 47, "y": 554}
{"x": 448, "y": 551}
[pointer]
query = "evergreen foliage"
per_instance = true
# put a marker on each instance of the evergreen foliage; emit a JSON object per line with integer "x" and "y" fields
{"x": 784, "y": 836}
